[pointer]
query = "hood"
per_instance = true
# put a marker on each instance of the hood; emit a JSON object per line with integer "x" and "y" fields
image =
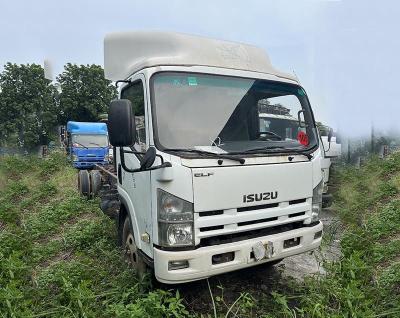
{"x": 231, "y": 187}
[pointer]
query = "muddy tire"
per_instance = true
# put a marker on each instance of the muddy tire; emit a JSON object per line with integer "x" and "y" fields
{"x": 131, "y": 251}
{"x": 84, "y": 183}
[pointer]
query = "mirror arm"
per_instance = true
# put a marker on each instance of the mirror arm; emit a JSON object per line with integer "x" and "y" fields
{"x": 143, "y": 153}
{"x": 122, "y": 153}
{"x": 299, "y": 119}
{"x": 123, "y": 164}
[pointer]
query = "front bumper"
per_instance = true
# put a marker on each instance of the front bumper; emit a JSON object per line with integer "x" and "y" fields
{"x": 87, "y": 164}
{"x": 200, "y": 260}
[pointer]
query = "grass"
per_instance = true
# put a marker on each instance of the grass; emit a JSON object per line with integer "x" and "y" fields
{"x": 58, "y": 252}
{"x": 59, "y": 257}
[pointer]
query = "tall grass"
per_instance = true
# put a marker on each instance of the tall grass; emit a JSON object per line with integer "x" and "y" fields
{"x": 58, "y": 252}
{"x": 59, "y": 258}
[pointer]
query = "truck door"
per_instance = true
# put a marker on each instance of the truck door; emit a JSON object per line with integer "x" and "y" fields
{"x": 137, "y": 185}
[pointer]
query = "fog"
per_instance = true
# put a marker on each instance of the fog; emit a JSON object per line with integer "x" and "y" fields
{"x": 345, "y": 53}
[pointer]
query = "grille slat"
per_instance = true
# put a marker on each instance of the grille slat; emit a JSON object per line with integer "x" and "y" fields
{"x": 258, "y": 207}
{"x": 211, "y": 228}
{"x": 257, "y": 221}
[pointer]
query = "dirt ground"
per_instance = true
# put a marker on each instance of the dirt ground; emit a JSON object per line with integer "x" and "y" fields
{"x": 263, "y": 279}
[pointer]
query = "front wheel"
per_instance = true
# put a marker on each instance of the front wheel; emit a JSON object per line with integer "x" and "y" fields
{"x": 131, "y": 251}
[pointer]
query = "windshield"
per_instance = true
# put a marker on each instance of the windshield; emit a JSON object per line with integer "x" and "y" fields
{"x": 230, "y": 115}
{"x": 89, "y": 141}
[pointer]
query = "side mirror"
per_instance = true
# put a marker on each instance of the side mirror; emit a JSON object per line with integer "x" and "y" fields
{"x": 330, "y": 134}
{"x": 121, "y": 123}
{"x": 148, "y": 159}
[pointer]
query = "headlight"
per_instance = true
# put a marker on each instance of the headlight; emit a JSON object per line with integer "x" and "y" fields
{"x": 175, "y": 220}
{"x": 317, "y": 201}
{"x": 75, "y": 158}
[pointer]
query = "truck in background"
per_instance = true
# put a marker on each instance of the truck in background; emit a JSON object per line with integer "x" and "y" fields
{"x": 87, "y": 144}
{"x": 332, "y": 150}
{"x": 202, "y": 189}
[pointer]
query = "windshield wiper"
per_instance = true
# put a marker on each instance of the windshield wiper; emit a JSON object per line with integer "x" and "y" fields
{"x": 209, "y": 153}
{"x": 81, "y": 145}
{"x": 261, "y": 149}
{"x": 300, "y": 152}
{"x": 94, "y": 143}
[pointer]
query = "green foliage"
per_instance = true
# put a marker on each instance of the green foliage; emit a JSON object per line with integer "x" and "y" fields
{"x": 85, "y": 93}
{"x": 155, "y": 304}
{"x": 58, "y": 253}
{"x": 28, "y": 110}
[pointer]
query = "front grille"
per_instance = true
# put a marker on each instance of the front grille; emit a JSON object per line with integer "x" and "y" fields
{"x": 236, "y": 237}
{"x": 91, "y": 159}
{"x": 234, "y": 224}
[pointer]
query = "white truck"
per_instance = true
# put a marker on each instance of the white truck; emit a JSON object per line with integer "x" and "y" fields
{"x": 203, "y": 190}
{"x": 332, "y": 149}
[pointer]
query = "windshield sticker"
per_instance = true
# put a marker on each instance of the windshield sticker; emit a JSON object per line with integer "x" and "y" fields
{"x": 303, "y": 138}
{"x": 301, "y": 92}
{"x": 192, "y": 81}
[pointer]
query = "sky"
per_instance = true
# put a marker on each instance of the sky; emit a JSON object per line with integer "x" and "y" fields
{"x": 345, "y": 53}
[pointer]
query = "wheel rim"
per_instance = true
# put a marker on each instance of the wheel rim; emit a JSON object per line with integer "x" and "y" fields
{"x": 131, "y": 250}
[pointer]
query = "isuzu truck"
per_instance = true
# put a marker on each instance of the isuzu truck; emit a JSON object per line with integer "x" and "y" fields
{"x": 87, "y": 144}
{"x": 203, "y": 188}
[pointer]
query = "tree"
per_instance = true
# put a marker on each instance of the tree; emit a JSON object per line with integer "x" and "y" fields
{"x": 85, "y": 93}
{"x": 27, "y": 105}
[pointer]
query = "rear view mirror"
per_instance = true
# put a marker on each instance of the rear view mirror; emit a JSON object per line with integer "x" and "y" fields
{"x": 121, "y": 123}
{"x": 148, "y": 159}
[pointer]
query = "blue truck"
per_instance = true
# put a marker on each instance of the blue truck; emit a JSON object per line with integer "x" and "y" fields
{"x": 87, "y": 144}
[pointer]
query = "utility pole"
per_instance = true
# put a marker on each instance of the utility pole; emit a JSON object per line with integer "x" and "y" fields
{"x": 348, "y": 150}
{"x": 372, "y": 138}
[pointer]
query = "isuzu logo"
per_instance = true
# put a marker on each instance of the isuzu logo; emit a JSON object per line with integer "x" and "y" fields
{"x": 247, "y": 198}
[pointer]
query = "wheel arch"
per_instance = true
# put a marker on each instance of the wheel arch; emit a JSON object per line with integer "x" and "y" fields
{"x": 127, "y": 209}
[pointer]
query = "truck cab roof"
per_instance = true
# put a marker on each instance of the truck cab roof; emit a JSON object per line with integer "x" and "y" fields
{"x": 125, "y": 53}
{"x": 87, "y": 128}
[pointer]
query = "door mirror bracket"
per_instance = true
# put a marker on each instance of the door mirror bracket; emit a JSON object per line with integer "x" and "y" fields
{"x": 146, "y": 163}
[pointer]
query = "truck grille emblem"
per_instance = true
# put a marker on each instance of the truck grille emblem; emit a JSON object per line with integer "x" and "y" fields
{"x": 247, "y": 198}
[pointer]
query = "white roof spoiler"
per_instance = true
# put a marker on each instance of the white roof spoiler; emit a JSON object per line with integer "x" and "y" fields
{"x": 128, "y": 52}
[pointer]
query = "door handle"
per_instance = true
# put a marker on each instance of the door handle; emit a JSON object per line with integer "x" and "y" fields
{"x": 119, "y": 172}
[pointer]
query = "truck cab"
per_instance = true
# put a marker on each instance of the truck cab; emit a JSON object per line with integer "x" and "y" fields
{"x": 87, "y": 144}
{"x": 204, "y": 187}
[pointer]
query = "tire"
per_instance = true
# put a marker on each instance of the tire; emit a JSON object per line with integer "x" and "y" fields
{"x": 131, "y": 252}
{"x": 84, "y": 183}
{"x": 95, "y": 182}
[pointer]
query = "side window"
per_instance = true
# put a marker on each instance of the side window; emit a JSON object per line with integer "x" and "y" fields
{"x": 134, "y": 92}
